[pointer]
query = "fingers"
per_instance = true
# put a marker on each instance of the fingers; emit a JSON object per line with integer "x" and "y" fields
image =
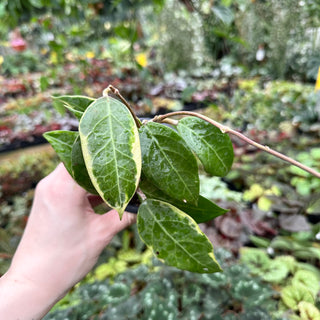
{"x": 94, "y": 200}
{"x": 60, "y": 186}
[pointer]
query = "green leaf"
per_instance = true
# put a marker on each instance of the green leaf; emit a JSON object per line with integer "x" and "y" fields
{"x": 213, "y": 147}
{"x": 76, "y": 104}
{"x": 284, "y": 243}
{"x": 275, "y": 272}
{"x": 224, "y": 14}
{"x": 314, "y": 204}
{"x": 205, "y": 211}
{"x": 59, "y": 106}
{"x": 44, "y": 83}
{"x": 308, "y": 279}
{"x": 260, "y": 242}
{"x": 111, "y": 150}
{"x": 309, "y": 267}
{"x": 169, "y": 163}
{"x": 248, "y": 290}
{"x": 308, "y": 311}
{"x": 307, "y": 253}
{"x": 256, "y": 259}
{"x": 293, "y": 295}
{"x": 62, "y": 142}
{"x": 289, "y": 261}
{"x": 79, "y": 170}
{"x": 187, "y": 93}
{"x": 264, "y": 203}
{"x": 175, "y": 237}
{"x": 315, "y": 153}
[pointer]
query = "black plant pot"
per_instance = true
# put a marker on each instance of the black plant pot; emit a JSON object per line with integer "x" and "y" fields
{"x": 314, "y": 218}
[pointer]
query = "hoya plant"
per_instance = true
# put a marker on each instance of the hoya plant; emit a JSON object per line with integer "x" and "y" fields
{"x": 115, "y": 155}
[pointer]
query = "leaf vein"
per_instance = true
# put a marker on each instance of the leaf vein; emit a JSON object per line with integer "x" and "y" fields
{"x": 173, "y": 239}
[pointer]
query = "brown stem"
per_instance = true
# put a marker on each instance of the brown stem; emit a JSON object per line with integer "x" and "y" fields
{"x": 118, "y": 94}
{"x": 225, "y": 129}
{"x": 141, "y": 195}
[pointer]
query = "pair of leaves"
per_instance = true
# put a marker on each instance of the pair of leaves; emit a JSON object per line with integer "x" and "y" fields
{"x": 168, "y": 159}
{"x": 170, "y": 175}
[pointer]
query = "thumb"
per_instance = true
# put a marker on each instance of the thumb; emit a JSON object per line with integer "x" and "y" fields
{"x": 113, "y": 224}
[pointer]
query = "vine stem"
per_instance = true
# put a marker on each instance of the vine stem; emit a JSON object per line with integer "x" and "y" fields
{"x": 224, "y": 129}
{"x": 116, "y": 92}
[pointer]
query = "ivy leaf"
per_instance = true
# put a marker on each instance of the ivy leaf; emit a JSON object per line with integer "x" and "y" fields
{"x": 111, "y": 151}
{"x": 213, "y": 147}
{"x": 78, "y": 167}
{"x": 175, "y": 237}
{"x": 169, "y": 163}
{"x": 76, "y": 104}
{"x": 62, "y": 142}
{"x": 205, "y": 211}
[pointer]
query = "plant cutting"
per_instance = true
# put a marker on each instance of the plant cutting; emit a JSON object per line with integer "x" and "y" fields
{"x": 115, "y": 155}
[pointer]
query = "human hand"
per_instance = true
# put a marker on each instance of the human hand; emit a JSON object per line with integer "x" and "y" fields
{"x": 61, "y": 243}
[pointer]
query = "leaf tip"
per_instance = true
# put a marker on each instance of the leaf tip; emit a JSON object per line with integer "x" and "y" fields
{"x": 120, "y": 212}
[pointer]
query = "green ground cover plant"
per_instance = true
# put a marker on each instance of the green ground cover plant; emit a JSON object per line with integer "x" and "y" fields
{"x": 161, "y": 292}
{"x": 114, "y": 155}
{"x": 265, "y": 104}
{"x": 296, "y": 282}
{"x": 19, "y": 63}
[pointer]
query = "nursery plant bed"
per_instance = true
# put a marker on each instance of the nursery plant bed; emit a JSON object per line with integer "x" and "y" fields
{"x": 7, "y": 156}
{"x": 21, "y": 144}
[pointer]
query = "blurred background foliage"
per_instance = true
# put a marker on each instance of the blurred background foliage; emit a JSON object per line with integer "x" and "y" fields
{"x": 174, "y": 34}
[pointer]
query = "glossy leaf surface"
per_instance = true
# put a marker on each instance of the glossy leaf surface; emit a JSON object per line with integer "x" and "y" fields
{"x": 169, "y": 163}
{"x": 111, "y": 150}
{"x": 76, "y": 104}
{"x": 213, "y": 147}
{"x": 205, "y": 211}
{"x": 175, "y": 237}
{"x": 62, "y": 142}
{"x": 79, "y": 170}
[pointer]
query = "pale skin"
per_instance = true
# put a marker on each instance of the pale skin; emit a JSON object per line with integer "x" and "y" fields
{"x": 60, "y": 245}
